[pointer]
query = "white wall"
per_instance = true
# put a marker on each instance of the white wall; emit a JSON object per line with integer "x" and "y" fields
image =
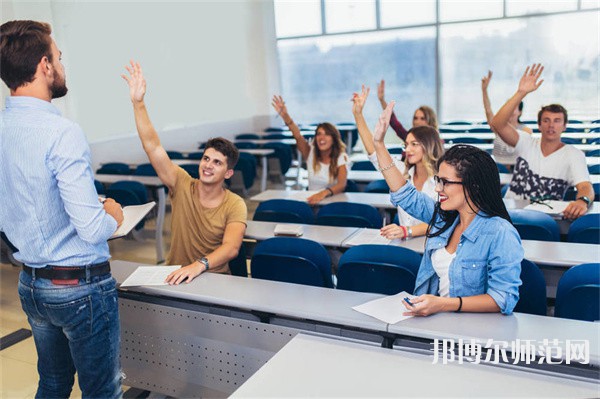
{"x": 210, "y": 65}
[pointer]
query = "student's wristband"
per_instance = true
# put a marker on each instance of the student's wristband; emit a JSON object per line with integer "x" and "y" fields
{"x": 387, "y": 167}
{"x": 330, "y": 192}
{"x": 459, "y": 304}
{"x": 404, "y": 231}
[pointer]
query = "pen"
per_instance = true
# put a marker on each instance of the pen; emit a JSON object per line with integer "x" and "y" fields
{"x": 408, "y": 301}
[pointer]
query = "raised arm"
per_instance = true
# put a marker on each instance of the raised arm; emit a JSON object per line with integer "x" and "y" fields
{"x": 487, "y": 106}
{"x": 281, "y": 109}
{"x": 395, "y": 124}
{"x": 165, "y": 168}
{"x": 392, "y": 175}
{"x": 530, "y": 81}
{"x": 358, "y": 102}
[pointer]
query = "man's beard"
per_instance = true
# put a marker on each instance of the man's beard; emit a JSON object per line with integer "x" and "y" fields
{"x": 59, "y": 87}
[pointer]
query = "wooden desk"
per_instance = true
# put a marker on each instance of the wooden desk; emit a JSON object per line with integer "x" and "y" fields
{"x": 154, "y": 183}
{"x": 310, "y": 366}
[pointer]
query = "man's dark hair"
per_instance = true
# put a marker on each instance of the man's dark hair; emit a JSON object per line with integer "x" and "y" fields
{"x": 22, "y": 46}
{"x": 554, "y": 108}
{"x": 226, "y": 148}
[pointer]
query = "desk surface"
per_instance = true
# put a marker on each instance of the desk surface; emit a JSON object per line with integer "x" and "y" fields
{"x": 319, "y": 367}
{"x": 381, "y": 201}
{"x": 150, "y": 181}
{"x": 331, "y": 236}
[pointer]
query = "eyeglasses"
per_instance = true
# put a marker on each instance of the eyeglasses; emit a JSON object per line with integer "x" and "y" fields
{"x": 541, "y": 201}
{"x": 440, "y": 182}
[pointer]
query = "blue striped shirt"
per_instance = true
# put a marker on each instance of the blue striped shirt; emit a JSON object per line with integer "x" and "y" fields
{"x": 49, "y": 205}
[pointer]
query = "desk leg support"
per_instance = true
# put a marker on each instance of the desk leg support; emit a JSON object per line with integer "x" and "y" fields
{"x": 263, "y": 178}
{"x": 160, "y": 219}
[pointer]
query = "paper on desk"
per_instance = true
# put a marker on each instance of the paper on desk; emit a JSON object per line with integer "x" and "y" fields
{"x": 132, "y": 215}
{"x": 557, "y": 207}
{"x": 292, "y": 230}
{"x": 366, "y": 236}
{"x": 149, "y": 275}
{"x": 388, "y": 309}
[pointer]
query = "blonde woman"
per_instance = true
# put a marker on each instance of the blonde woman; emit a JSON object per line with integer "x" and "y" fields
{"x": 423, "y": 149}
{"x": 326, "y": 157}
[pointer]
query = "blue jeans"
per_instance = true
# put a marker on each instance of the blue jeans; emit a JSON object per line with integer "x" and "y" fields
{"x": 75, "y": 328}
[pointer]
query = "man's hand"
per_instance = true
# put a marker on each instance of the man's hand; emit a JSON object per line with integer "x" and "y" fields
{"x": 485, "y": 81}
{"x": 135, "y": 81}
{"x": 383, "y": 123}
{"x": 529, "y": 80}
{"x": 186, "y": 273}
{"x": 575, "y": 209}
{"x": 279, "y": 105}
{"x": 358, "y": 100}
{"x": 114, "y": 209}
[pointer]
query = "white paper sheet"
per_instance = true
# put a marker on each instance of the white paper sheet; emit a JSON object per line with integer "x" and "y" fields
{"x": 149, "y": 275}
{"x": 388, "y": 309}
{"x": 132, "y": 215}
{"x": 557, "y": 207}
{"x": 366, "y": 236}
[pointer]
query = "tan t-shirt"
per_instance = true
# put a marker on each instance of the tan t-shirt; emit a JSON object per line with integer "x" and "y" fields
{"x": 197, "y": 231}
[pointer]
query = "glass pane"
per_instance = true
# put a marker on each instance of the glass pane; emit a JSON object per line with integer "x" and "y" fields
{"x": 319, "y": 75}
{"x": 585, "y": 4}
{"x": 567, "y": 44}
{"x": 297, "y": 17}
{"x": 349, "y": 16}
{"x": 462, "y": 10}
{"x": 523, "y": 7}
{"x": 406, "y": 12}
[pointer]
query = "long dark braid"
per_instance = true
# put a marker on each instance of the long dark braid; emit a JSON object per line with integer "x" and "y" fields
{"x": 481, "y": 186}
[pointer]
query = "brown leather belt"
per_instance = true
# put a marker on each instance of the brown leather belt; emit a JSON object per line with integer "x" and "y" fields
{"x": 52, "y": 272}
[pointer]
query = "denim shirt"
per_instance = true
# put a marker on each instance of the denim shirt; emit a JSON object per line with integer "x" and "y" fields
{"x": 488, "y": 257}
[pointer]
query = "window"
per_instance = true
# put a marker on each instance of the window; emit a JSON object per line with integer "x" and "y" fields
{"x": 297, "y": 18}
{"x": 524, "y": 7}
{"x": 461, "y": 10}
{"x": 348, "y": 16}
{"x": 404, "y": 13}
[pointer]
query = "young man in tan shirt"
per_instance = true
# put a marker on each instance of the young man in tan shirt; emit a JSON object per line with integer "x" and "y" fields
{"x": 208, "y": 221}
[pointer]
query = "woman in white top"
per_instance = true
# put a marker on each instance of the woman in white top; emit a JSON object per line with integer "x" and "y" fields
{"x": 326, "y": 157}
{"x": 423, "y": 149}
{"x": 502, "y": 152}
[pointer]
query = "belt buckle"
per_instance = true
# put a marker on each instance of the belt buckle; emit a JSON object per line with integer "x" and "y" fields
{"x": 55, "y": 281}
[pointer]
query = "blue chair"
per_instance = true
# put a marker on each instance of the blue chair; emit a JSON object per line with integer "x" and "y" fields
{"x": 196, "y": 155}
{"x": 396, "y": 150}
{"x": 138, "y": 188}
{"x": 362, "y": 165}
{"x": 246, "y": 173}
{"x": 99, "y": 187}
{"x": 593, "y": 153}
{"x": 570, "y": 140}
{"x": 191, "y": 169}
{"x": 532, "y": 293}
{"x": 570, "y": 194}
{"x": 242, "y": 145}
{"x": 594, "y": 169}
{"x": 456, "y": 123}
{"x": 480, "y": 130}
{"x": 349, "y": 214}
{"x": 595, "y": 129}
{"x": 578, "y": 293}
{"x": 275, "y": 136}
{"x": 247, "y": 136}
{"x": 351, "y": 187}
{"x": 585, "y": 229}
{"x": 596, "y": 187}
{"x": 128, "y": 193}
{"x": 574, "y": 130}
{"x": 145, "y": 169}
{"x": 467, "y": 140}
{"x": 114, "y": 168}
{"x": 534, "y": 225}
{"x": 283, "y": 152}
{"x": 502, "y": 168}
{"x": 504, "y": 189}
{"x": 175, "y": 155}
{"x": 276, "y": 129}
{"x": 382, "y": 269}
{"x": 200, "y": 147}
{"x": 378, "y": 186}
{"x": 292, "y": 260}
{"x": 284, "y": 211}
{"x": 237, "y": 265}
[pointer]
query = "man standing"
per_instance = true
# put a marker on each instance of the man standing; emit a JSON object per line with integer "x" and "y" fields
{"x": 208, "y": 221}
{"x": 545, "y": 168}
{"x": 51, "y": 212}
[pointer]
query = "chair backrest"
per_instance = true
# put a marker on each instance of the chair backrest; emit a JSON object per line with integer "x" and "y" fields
{"x": 284, "y": 211}
{"x": 532, "y": 293}
{"x": 175, "y": 155}
{"x": 191, "y": 169}
{"x": 145, "y": 169}
{"x": 455, "y": 123}
{"x": 351, "y": 187}
{"x": 502, "y": 168}
{"x": 128, "y": 194}
{"x": 362, "y": 165}
{"x": 396, "y": 150}
{"x": 349, "y": 214}
{"x": 245, "y": 145}
{"x": 196, "y": 155}
{"x": 245, "y": 173}
{"x": 284, "y": 153}
{"x": 480, "y": 130}
{"x": 275, "y": 136}
{"x": 292, "y": 260}
{"x": 578, "y": 293}
{"x": 585, "y": 229}
{"x": 570, "y": 140}
{"x": 276, "y": 129}
{"x": 593, "y": 153}
{"x": 378, "y": 186}
{"x": 99, "y": 187}
{"x": 534, "y": 225}
{"x": 570, "y": 194}
{"x": 594, "y": 169}
{"x": 383, "y": 269}
{"x": 237, "y": 265}
{"x": 247, "y": 136}
{"x": 467, "y": 140}
{"x": 114, "y": 168}
{"x": 138, "y": 188}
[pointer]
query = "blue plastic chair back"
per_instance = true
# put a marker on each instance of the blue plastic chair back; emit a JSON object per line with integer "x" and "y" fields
{"x": 196, "y": 155}
{"x": 585, "y": 229}
{"x": 382, "y": 269}
{"x": 504, "y": 189}
{"x": 128, "y": 194}
{"x": 396, "y": 150}
{"x": 532, "y": 293}
{"x": 145, "y": 169}
{"x": 458, "y": 123}
{"x": 480, "y": 130}
{"x": 275, "y": 136}
{"x": 243, "y": 145}
{"x": 594, "y": 169}
{"x": 284, "y": 211}
{"x": 246, "y": 165}
{"x": 593, "y": 153}
{"x": 578, "y": 293}
{"x": 276, "y": 129}
{"x": 114, "y": 168}
{"x": 362, "y": 165}
{"x": 247, "y": 136}
{"x": 570, "y": 194}
{"x": 502, "y": 168}
{"x": 138, "y": 188}
{"x": 292, "y": 260}
{"x": 175, "y": 155}
{"x": 284, "y": 153}
{"x": 191, "y": 169}
{"x": 570, "y": 140}
{"x": 349, "y": 214}
{"x": 467, "y": 140}
{"x": 378, "y": 186}
{"x": 351, "y": 187}
{"x": 237, "y": 265}
{"x": 534, "y": 225}
{"x": 99, "y": 187}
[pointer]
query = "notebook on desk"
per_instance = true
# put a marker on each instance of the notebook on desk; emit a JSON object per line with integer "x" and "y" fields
{"x": 132, "y": 215}
{"x": 366, "y": 236}
{"x": 548, "y": 206}
{"x": 289, "y": 230}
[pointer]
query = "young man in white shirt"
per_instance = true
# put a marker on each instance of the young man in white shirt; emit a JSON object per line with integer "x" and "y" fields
{"x": 546, "y": 167}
